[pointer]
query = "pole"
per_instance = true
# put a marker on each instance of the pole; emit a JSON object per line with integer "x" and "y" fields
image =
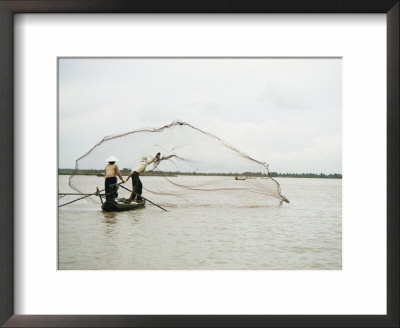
{"x": 88, "y": 195}
{"x": 78, "y": 194}
{"x": 145, "y": 198}
{"x": 98, "y": 193}
{"x": 72, "y": 201}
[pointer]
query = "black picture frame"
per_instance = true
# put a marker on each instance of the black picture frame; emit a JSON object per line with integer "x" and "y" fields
{"x": 10, "y": 7}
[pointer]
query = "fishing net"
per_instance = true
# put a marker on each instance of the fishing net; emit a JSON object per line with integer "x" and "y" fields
{"x": 195, "y": 167}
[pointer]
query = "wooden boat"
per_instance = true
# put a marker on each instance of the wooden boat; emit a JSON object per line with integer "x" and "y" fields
{"x": 113, "y": 206}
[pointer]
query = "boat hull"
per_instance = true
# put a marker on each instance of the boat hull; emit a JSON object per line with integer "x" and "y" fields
{"x": 119, "y": 207}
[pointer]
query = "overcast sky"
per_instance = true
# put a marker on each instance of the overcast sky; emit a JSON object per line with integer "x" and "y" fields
{"x": 286, "y": 112}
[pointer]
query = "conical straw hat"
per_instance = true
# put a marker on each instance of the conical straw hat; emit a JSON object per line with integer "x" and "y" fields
{"x": 112, "y": 158}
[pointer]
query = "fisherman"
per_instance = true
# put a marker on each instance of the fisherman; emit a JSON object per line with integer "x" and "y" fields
{"x": 112, "y": 172}
{"x": 136, "y": 183}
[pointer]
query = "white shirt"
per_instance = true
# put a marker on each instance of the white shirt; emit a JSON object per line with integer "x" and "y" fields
{"x": 141, "y": 166}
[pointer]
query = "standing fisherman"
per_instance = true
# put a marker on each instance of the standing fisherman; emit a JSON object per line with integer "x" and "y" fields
{"x": 112, "y": 171}
{"x": 136, "y": 183}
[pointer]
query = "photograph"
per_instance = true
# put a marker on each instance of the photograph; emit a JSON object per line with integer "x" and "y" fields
{"x": 199, "y": 163}
{"x": 199, "y": 151}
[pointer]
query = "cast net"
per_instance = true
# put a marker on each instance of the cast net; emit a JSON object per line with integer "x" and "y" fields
{"x": 195, "y": 168}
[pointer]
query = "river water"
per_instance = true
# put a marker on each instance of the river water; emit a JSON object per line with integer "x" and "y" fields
{"x": 305, "y": 234}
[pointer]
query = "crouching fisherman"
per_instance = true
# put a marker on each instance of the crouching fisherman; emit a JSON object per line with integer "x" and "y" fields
{"x": 135, "y": 173}
{"x": 112, "y": 172}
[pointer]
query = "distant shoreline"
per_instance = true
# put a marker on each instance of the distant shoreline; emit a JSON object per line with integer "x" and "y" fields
{"x": 125, "y": 172}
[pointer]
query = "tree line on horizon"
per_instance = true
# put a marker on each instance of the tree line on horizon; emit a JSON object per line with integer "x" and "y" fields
{"x": 126, "y": 171}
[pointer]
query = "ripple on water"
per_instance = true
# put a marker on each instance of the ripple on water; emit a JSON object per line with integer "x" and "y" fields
{"x": 305, "y": 234}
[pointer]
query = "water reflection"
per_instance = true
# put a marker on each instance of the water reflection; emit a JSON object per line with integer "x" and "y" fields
{"x": 305, "y": 234}
{"x": 109, "y": 216}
